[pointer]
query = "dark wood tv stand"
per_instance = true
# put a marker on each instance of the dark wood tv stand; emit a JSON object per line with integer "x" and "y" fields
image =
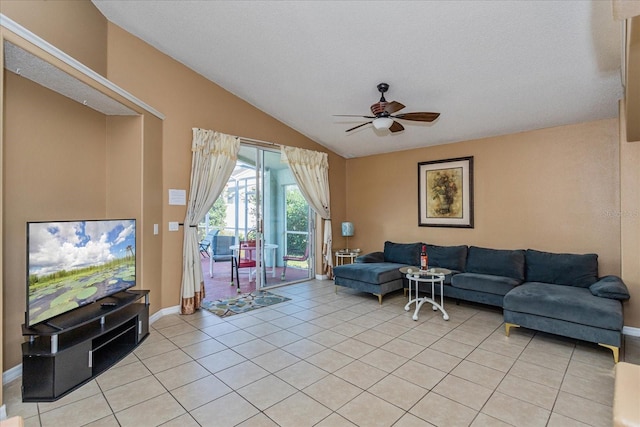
{"x": 75, "y": 347}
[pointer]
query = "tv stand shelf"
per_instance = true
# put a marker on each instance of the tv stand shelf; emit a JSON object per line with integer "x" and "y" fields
{"x": 77, "y": 346}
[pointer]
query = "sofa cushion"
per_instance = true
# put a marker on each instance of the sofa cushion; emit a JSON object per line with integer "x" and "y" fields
{"x": 371, "y": 257}
{"x": 562, "y": 269}
{"x": 498, "y": 285}
{"x": 402, "y": 253}
{"x": 610, "y": 287}
{"x": 371, "y": 272}
{"x": 496, "y": 262}
{"x": 569, "y": 303}
{"x": 449, "y": 257}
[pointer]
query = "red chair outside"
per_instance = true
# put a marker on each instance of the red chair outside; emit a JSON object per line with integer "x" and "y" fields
{"x": 294, "y": 258}
{"x": 246, "y": 259}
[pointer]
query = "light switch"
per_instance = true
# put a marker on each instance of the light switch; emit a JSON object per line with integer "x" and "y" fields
{"x": 155, "y": 229}
{"x": 173, "y": 226}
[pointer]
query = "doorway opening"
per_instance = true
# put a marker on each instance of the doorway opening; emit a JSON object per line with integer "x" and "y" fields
{"x": 262, "y": 220}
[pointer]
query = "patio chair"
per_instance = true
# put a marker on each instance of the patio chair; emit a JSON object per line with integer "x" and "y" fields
{"x": 287, "y": 258}
{"x": 246, "y": 258}
{"x": 221, "y": 248}
{"x": 205, "y": 244}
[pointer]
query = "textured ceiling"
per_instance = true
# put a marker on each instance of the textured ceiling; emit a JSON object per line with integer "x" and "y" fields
{"x": 489, "y": 67}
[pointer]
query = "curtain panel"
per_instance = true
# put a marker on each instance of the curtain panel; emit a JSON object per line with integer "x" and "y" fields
{"x": 311, "y": 171}
{"x": 214, "y": 156}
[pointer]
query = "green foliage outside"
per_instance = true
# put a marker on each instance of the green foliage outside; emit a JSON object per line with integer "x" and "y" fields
{"x": 218, "y": 213}
{"x": 297, "y": 211}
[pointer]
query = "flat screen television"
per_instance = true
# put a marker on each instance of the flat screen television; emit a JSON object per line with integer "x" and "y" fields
{"x": 74, "y": 263}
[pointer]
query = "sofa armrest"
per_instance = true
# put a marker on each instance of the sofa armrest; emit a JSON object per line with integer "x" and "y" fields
{"x": 371, "y": 257}
{"x": 611, "y": 287}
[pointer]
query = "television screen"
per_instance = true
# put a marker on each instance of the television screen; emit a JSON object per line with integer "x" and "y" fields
{"x": 74, "y": 263}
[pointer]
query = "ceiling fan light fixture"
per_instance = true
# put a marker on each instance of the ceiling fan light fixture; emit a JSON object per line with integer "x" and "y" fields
{"x": 382, "y": 123}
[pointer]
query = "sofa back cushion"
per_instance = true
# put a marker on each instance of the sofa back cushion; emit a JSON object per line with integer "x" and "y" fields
{"x": 562, "y": 269}
{"x": 450, "y": 257}
{"x": 402, "y": 253}
{"x": 497, "y": 262}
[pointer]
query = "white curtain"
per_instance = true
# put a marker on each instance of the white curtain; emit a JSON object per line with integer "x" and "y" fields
{"x": 214, "y": 158}
{"x": 311, "y": 171}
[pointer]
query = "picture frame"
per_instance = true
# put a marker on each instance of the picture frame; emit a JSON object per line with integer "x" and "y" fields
{"x": 445, "y": 193}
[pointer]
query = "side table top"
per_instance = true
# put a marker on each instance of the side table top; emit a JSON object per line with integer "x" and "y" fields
{"x": 347, "y": 252}
{"x": 434, "y": 271}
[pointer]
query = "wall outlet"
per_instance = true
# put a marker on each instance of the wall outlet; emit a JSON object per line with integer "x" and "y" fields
{"x": 173, "y": 226}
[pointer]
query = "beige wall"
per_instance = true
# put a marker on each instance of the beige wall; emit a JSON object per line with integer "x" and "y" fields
{"x": 555, "y": 189}
{"x": 632, "y": 92}
{"x": 54, "y": 169}
{"x": 151, "y": 248}
{"x": 65, "y": 161}
{"x": 630, "y": 220}
{"x": 188, "y": 100}
{"x": 75, "y": 26}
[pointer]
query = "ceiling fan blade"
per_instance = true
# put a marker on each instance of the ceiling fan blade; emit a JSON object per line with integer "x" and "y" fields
{"x": 359, "y": 126}
{"x": 378, "y": 108}
{"x": 354, "y": 115}
{"x": 393, "y": 106}
{"x": 418, "y": 117}
{"x": 396, "y": 127}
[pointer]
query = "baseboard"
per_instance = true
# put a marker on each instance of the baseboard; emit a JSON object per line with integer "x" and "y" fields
{"x": 632, "y": 332}
{"x": 163, "y": 312}
{"x": 12, "y": 374}
{"x": 322, "y": 277}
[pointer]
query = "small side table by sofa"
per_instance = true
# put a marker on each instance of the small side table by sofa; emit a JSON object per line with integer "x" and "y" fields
{"x": 433, "y": 276}
{"x": 346, "y": 254}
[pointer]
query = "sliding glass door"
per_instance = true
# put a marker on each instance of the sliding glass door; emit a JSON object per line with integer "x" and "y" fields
{"x": 284, "y": 222}
{"x": 261, "y": 203}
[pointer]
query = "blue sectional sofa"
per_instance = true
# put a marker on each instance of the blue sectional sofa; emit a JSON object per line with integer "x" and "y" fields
{"x": 550, "y": 292}
{"x": 378, "y": 273}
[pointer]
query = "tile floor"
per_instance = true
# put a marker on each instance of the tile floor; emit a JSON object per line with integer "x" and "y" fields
{"x": 327, "y": 359}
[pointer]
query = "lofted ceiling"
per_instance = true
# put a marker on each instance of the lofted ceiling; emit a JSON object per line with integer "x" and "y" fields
{"x": 489, "y": 67}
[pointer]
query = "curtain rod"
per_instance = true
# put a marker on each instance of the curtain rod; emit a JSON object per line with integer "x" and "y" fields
{"x": 253, "y": 141}
{"x": 259, "y": 142}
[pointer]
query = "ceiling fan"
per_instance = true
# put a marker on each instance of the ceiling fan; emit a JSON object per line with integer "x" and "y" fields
{"x": 383, "y": 114}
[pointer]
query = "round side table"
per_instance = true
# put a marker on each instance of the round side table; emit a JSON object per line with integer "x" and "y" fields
{"x": 343, "y": 255}
{"x": 431, "y": 276}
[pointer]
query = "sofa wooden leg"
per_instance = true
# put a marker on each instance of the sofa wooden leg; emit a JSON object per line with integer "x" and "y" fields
{"x": 508, "y": 326}
{"x": 379, "y": 298}
{"x": 614, "y": 349}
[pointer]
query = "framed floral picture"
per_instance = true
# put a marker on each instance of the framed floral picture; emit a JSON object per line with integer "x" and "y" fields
{"x": 445, "y": 193}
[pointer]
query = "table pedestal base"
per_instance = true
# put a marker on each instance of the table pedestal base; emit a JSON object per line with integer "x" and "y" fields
{"x": 433, "y": 279}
